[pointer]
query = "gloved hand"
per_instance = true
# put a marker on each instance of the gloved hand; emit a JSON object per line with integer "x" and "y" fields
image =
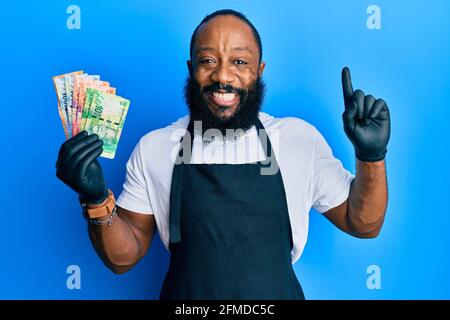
{"x": 77, "y": 167}
{"x": 366, "y": 122}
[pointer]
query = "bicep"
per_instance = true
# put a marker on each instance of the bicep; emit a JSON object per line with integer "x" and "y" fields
{"x": 142, "y": 225}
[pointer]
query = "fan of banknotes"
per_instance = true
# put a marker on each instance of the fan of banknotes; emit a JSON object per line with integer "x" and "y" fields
{"x": 87, "y": 103}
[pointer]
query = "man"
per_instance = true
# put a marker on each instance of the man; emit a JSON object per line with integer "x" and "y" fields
{"x": 233, "y": 231}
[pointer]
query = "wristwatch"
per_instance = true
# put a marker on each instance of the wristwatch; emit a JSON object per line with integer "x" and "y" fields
{"x": 98, "y": 212}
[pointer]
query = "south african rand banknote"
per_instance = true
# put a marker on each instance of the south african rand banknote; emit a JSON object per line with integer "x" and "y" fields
{"x": 106, "y": 119}
{"x": 81, "y": 99}
{"x": 87, "y": 103}
{"x": 89, "y": 93}
{"x": 63, "y": 109}
{"x": 71, "y": 89}
{"x": 77, "y": 104}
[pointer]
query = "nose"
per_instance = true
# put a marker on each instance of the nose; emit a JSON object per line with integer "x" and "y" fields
{"x": 223, "y": 74}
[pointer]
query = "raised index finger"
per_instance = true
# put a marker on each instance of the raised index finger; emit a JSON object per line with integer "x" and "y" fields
{"x": 347, "y": 87}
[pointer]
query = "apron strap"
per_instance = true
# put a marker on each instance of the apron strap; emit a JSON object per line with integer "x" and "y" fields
{"x": 177, "y": 187}
{"x": 264, "y": 139}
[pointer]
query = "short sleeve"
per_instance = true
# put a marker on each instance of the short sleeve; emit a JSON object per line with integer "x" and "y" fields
{"x": 331, "y": 181}
{"x": 134, "y": 196}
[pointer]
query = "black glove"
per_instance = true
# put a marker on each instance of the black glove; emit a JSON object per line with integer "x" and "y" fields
{"x": 366, "y": 122}
{"x": 77, "y": 167}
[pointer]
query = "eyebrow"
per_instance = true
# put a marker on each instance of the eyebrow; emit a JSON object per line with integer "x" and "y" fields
{"x": 213, "y": 49}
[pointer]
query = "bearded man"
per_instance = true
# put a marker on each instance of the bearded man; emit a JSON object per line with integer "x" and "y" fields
{"x": 229, "y": 187}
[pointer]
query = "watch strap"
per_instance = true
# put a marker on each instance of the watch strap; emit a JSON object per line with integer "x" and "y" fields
{"x": 102, "y": 211}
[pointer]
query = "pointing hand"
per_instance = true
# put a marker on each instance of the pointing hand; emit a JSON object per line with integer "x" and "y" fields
{"x": 366, "y": 122}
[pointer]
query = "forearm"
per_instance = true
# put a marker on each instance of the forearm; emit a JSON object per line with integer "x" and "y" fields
{"x": 123, "y": 242}
{"x": 368, "y": 198}
{"x": 116, "y": 244}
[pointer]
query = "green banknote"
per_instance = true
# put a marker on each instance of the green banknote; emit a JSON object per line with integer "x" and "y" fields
{"x": 106, "y": 118}
{"x": 88, "y": 107}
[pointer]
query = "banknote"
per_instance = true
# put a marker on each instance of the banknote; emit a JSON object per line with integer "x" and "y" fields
{"x": 81, "y": 83}
{"x": 60, "y": 89}
{"x": 61, "y": 93}
{"x": 85, "y": 111}
{"x": 91, "y": 93}
{"x": 107, "y": 117}
{"x": 87, "y": 103}
{"x": 68, "y": 81}
{"x": 76, "y": 104}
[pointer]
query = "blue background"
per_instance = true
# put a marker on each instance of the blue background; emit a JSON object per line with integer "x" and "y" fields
{"x": 141, "y": 47}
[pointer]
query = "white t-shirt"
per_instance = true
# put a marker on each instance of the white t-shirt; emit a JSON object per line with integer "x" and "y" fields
{"x": 312, "y": 176}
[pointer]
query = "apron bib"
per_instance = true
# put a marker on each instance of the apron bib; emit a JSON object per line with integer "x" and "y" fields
{"x": 230, "y": 234}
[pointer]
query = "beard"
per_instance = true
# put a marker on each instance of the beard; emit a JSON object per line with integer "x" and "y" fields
{"x": 243, "y": 118}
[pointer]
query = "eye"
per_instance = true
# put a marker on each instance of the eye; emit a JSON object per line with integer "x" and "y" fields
{"x": 206, "y": 61}
{"x": 240, "y": 62}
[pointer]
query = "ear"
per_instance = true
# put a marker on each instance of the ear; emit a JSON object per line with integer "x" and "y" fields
{"x": 189, "y": 65}
{"x": 261, "y": 68}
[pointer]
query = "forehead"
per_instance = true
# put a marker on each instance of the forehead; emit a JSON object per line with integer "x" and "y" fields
{"x": 225, "y": 32}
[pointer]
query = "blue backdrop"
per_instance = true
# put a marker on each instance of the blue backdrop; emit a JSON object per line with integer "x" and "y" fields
{"x": 141, "y": 47}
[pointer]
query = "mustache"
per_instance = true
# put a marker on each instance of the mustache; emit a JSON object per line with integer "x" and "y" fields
{"x": 228, "y": 89}
{"x": 244, "y": 117}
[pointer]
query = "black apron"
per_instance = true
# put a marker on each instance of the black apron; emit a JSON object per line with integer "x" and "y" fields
{"x": 230, "y": 234}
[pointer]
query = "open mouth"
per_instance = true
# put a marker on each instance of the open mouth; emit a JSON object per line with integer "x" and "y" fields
{"x": 223, "y": 99}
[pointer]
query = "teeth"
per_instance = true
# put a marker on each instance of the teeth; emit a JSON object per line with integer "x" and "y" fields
{"x": 224, "y": 96}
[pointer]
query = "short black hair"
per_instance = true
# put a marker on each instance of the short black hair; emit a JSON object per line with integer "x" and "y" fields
{"x": 229, "y": 12}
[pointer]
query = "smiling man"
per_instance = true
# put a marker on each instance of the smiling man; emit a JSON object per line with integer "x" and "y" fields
{"x": 225, "y": 89}
{"x": 233, "y": 232}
